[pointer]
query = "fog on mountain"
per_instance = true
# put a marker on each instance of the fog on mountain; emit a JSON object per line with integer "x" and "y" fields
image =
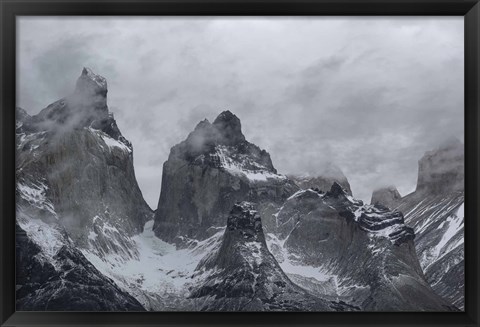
{"x": 230, "y": 233}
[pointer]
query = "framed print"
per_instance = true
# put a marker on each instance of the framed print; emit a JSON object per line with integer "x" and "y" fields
{"x": 180, "y": 163}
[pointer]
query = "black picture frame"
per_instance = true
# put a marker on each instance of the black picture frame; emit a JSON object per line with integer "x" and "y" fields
{"x": 470, "y": 9}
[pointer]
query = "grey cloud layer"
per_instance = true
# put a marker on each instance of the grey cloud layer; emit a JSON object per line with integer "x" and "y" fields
{"x": 370, "y": 94}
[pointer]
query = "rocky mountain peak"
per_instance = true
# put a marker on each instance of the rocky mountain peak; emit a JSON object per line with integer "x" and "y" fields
{"x": 229, "y": 127}
{"x": 86, "y": 105}
{"x": 243, "y": 234}
{"x": 336, "y": 191}
{"x": 245, "y": 220}
{"x": 387, "y": 196}
{"x": 227, "y": 117}
{"x": 242, "y": 274}
{"x": 213, "y": 169}
{"x": 203, "y": 125}
{"x": 442, "y": 170}
{"x": 91, "y": 82}
{"x": 338, "y": 234}
{"x": 226, "y": 130}
{"x": 91, "y": 90}
{"x": 75, "y": 151}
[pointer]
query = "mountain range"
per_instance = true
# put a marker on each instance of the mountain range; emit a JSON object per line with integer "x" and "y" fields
{"x": 230, "y": 232}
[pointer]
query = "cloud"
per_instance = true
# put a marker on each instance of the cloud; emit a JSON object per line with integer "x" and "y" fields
{"x": 370, "y": 94}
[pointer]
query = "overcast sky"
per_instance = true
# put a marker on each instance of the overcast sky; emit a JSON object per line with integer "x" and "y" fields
{"x": 368, "y": 94}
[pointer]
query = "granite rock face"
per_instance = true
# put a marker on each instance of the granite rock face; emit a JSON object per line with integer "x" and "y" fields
{"x": 386, "y": 196}
{"x": 247, "y": 238}
{"x": 75, "y": 191}
{"x": 210, "y": 171}
{"x": 367, "y": 250}
{"x": 242, "y": 275}
{"x": 73, "y": 155}
{"x": 436, "y": 212}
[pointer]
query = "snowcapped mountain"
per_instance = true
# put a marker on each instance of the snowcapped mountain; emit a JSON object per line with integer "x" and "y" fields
{"x": 206, "y": 174}
{"x": 361, "y": 254}
{"x": 436, "y": 211}
{"x": 230, "y": 232}
{"x": 242, "y": 275}
{"x": 76, "y": 184}
{"x": 73, "y": 153}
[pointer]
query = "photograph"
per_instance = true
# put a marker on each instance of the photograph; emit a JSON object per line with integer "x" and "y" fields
{"x": 240, "y": 163}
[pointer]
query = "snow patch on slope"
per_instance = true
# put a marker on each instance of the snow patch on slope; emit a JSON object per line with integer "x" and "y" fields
{"x": 48, "y": 238}
{"x": 159, "y": 269}
{"x": 317, "y": 280}
{"x": 33, "y": 140}
{"x": 35, "y": 194}
{"x": 110, "y": 142}
{"x": 105, "y": 238}
{"x": 452, "y": 225}
{"x": 290, "y": 266}
{"x": 238, "y": 167}
{"x": 301, "y": 192}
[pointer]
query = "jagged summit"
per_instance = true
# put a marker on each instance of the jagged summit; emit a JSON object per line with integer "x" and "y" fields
{"x": 91, "y": 90}
{"x": 368, "y": 250}
{"x": 211, "y": 170}
{"x": 376, "y": 220}
{"x": 76, "y": 193}
{"x": 339, "y": 193}
{"x": 226, "y": 130}
{"x": 203, "y": 124}
{"x": 244, "y": 225}
{"x": 89, "y": 78}
{"x": 229, "y": 127}
{"x": 211, "y": 143}
{"x": 250, "y": 238}
{"x": 336, "y": 190}
{"x": 87, "y": 104}
{"x": 242, "y": 275}
{"x": 75, "y": 145}
{"x": 226, "y": 115}
{"x": 227, "y": 118}
{"x": 86, "y": 107}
